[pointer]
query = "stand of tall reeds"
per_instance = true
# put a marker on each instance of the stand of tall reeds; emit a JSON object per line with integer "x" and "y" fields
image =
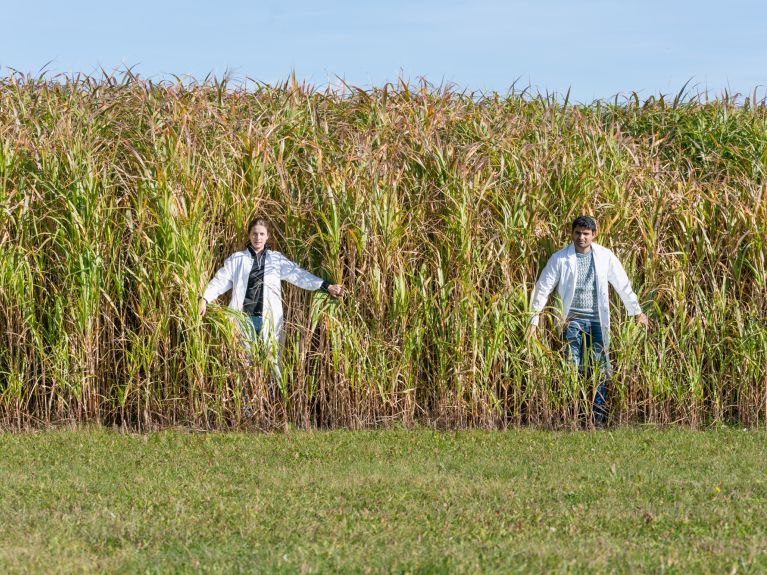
{"x": 436, "y": 209}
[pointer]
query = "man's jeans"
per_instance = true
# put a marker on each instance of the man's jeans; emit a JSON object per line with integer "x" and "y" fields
{"x": 586, "y": 351}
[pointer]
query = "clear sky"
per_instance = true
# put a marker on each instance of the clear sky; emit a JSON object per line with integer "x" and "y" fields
{"x": 597, "y": 48}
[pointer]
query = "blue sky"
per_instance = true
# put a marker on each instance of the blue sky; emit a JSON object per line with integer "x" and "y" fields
{"x": 597, "y": 48}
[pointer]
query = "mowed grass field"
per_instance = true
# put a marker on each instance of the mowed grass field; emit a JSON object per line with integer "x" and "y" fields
{"x": 626, "y": 501}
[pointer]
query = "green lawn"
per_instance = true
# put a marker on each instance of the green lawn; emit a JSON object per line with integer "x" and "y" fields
{"x": 386, "y": 501}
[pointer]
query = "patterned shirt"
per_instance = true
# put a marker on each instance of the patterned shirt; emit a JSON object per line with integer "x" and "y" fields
{"x": 584, "y": 304}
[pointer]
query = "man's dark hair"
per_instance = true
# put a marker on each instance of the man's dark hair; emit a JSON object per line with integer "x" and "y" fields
{"x": 585, "y": 222}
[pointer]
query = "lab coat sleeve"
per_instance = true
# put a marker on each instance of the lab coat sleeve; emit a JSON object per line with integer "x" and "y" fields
{"x": 292, "y": 273}
{"x": 620, "y": 282}
{"x": 543, "y": 288}
{"x": 221, "y": 282}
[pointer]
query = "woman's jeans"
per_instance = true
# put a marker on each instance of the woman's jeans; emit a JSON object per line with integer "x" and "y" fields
{"x": 256, "y": 322}
{"x": 585, "y": 350}
{"x": 252, "y": 328}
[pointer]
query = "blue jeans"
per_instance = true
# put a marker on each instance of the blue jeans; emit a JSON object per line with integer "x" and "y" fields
{"x": 256, "y": 321}
{"x": 252, "y": 328}
{"x": 586, "y": 351}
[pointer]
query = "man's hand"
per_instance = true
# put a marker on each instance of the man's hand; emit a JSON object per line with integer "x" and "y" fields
{"x": 203, "y": 306}
{"x": 532, "y": 330}
{"x": 336, "y": 290}
{"x": 642, "y": 320}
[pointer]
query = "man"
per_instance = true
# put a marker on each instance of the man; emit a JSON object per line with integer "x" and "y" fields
{"x": 581, "y": 273}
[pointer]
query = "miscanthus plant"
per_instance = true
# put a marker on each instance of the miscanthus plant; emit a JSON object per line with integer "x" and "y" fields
{"x": 435, "y": 208}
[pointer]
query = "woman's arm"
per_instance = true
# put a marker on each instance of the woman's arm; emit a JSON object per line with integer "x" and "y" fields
{"x": 295, "y": 274}
{"x": 220, "y": 283}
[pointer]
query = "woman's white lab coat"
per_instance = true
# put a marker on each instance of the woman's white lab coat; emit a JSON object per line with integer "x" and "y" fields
{"x": 561, "y": 272}
{"x": 234, "y": 275}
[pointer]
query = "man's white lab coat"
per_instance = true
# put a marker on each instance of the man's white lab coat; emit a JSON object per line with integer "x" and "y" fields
{"x": 561, "y": 272}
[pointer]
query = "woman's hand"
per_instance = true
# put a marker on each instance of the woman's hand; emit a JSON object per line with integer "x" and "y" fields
{"x": 203, "y": 306}
{"x": 336, "y": 290}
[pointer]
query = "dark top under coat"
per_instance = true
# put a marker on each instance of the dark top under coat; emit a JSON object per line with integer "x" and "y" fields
{"x": 253, "y": 305}
{"x": 254, "y": 294}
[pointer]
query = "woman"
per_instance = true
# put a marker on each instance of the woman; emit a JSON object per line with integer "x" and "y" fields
{"x": 254, "y": 275}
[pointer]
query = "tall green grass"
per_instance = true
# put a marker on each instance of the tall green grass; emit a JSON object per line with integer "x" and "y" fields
{"x": 437, "y": 209}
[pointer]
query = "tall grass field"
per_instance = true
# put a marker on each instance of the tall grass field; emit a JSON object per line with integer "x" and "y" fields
{"x": 119, "y": 198}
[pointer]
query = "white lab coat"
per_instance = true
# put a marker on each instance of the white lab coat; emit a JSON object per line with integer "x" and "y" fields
{"x": 234, "y": 275}
{"x": 561, "y": 272}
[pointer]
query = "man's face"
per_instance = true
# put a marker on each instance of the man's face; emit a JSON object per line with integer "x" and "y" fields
{"x": 582, "y": 238}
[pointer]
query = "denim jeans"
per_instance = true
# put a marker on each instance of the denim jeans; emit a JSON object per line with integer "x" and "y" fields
{"x": 256, "y": 321}
{"x": 585, "y": 350}
{"x": 252, "y": 331}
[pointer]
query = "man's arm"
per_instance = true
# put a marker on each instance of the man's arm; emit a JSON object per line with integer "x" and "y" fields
{"x": 543, "y": 288}
{"x": 617, "y": 277}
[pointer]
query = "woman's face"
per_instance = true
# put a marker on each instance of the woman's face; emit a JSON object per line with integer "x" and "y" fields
{"x": 258, "y": 237}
